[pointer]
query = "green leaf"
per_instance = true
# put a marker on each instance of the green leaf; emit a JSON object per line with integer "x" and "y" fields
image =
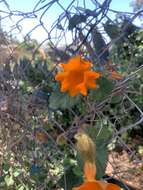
{"x": 1, "y": 179}
{"x": 37, "y": 173}
{"x": 75, "y": 20}
{"x": 6, "y": 167}
{"x": 70, "y": 180}
{"x": 101, "y": 160}
{"x": 9, "y": 180}
{"x": 105, "y": 87}
{"x": 77, "y": 171}
{"x": 21, "y": 187}
{"x": 17, "y": 172}
{"x": 140, "y": 149}
{"x": 116, "y": 99}
{"x": 98, "y": 46}
{"x": 100, "y": 138}
{"x": 111, "y": 29}
{"x": 62, "y": 100}
{"x": 98, "y": 134}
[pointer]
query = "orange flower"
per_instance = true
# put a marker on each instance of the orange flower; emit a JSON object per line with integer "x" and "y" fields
{"x": 91, "y": 183}
{"x": 77, "y": 76}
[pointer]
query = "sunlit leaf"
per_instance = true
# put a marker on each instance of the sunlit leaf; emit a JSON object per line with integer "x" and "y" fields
{"x": 17, "y": 172}
{"x": 9, "y": 180}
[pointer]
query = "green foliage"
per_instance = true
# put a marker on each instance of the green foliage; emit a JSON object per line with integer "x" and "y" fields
{"x": 10, "y": 177}
{"x": 112, "y": 29}
{"x": 35, "y": 77}
{"x": 38, "y": 173}
{"x": 101, "y": 138}
{"x": 60, "y": 100}
{"x": 71, "y": 177}
{"x": 9, "y": 180}
{"x": 72, "y": 174}
{"x": 104, "y": 89}
{"x": 74, "y": 169}
{"x": 101, "y": 160}
{"x": 76, "y": 20}
{"x": 29, "y": 44}
{"x": 98, "y": 46}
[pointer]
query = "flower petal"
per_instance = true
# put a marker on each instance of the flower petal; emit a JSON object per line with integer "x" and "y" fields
{"x": 73, "y": 91}
{"x": 92, "y": 185}
{"x": 103, "y": 184}
{"x": 73, "y": 64}
{"x": 112, "y": 187}
{"x": 82, "y": 89}
{"x": 92, "y": 75}
{"x": 92, "y": 84}
{"x": 64, "y": 86}
{"x": 60, "y": 76}
{"x": 89, "y": 78}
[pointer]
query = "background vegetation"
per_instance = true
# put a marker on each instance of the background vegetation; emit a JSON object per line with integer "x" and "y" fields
{"x": 38, "y": 122}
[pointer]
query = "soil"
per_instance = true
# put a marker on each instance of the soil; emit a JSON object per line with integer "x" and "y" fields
{"x": 126, "y": 168}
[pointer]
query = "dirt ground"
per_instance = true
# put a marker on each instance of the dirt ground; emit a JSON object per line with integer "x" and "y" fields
{"x": 125, "y": 169}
